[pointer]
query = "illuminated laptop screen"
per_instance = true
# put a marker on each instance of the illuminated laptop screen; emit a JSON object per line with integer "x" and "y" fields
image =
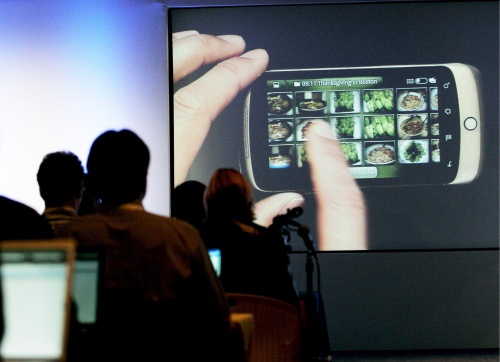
{"x": 87, "y": 285}
{"x": 35, "y": 301}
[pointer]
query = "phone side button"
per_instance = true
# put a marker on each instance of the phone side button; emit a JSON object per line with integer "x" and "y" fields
{"x": 470, "y": 123}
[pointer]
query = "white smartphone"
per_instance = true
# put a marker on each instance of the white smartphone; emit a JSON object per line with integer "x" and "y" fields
{"x": 397, "y": 125}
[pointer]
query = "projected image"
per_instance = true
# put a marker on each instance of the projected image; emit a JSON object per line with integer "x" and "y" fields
{"x": 349, "y": 204}
{"x": 409, "y": 157}
{"x": 361, "y": 107}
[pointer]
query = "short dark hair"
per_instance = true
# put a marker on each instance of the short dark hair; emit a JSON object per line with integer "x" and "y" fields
{"x": 117, "y": 167}
{"x": 187, "y": 202}
{"x": 60, "y": 177}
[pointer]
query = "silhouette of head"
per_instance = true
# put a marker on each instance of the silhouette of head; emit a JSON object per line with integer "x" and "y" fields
{"x": 229, "y": 196}
{"x": 117, "y": 167}
{"x": 187, "y": 202}
{"x": 60, "y": 178}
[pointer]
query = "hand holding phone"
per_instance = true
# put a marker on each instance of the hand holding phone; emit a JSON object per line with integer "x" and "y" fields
{"x": 192, "y": 119}
{"x": 190, "y": 131}
{"x": 196, "y": 105}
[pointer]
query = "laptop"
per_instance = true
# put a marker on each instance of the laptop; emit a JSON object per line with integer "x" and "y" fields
{"x": 36, "y": 278}
{"x": 88, "y": 284}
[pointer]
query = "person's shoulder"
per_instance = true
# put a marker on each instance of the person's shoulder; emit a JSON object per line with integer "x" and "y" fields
{"x": 252, "y": 228}
{"x": 159, "y": 223}
{"x": 162, "y": 219}
{"x": 218, "y": 226}
{"x": 88, "y": 218}
{"x": 22, "y": 221}
{"x": 176, "y": 224}
{"x": 10, "y": 207}
{"x": 256, "y": 234}
{"x": 144, "y": 218}
{"x": 79, "y": 223}
{"x": 177, "y": 232}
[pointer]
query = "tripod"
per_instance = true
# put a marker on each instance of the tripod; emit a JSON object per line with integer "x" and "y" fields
{"x": 316, "y": 344}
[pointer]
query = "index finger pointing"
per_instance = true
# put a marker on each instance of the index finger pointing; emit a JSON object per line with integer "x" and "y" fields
{"x": 341, "y": 205}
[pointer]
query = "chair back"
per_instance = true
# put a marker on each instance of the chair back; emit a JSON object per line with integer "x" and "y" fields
{"x": 277, "y": 327}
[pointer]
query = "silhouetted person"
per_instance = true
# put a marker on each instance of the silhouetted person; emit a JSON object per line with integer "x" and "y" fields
{"x": 60, "y": 179}
{"x": 162, "y": 297}
{"x": 19, "y": 222}
{"x": 187, "y": 202}
{"x": 254, "y": 258}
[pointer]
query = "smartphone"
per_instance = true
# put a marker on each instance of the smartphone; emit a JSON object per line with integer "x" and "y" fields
{"x": 215, "y": 258}
{"x": 397, "y": 125}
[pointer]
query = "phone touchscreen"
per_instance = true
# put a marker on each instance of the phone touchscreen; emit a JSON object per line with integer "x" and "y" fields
{"x": 396, "y": 126}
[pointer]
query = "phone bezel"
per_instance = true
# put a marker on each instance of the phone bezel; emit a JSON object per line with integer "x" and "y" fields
{"x": 465, "y": 103}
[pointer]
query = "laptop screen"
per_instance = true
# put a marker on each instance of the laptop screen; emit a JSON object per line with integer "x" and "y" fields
{"x": 215, "y": 258}
{"x": 36, "y": 279}
{"x": 87, "y": 283}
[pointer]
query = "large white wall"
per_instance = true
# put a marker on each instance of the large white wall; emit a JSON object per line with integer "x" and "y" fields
{"x": 70, "y": 70}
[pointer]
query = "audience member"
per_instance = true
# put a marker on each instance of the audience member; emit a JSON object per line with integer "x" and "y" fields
{"x": 187, "y": 202}
{"x": 254, "y": 258}
{"x": 20, "y": 221}
{"x": 162, "y": 297}
{"x": 60, "y": 179}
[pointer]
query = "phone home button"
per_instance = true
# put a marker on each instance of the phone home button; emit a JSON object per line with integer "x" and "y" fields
{"x": 470, "y": 123}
